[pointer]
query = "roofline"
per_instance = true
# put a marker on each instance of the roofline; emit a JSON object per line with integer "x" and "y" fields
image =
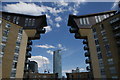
{"x": 22, "y": 14}
{"x": 94, "y": 14}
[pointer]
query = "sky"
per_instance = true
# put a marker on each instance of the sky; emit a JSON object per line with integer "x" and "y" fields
{"x": 57, "y": 34}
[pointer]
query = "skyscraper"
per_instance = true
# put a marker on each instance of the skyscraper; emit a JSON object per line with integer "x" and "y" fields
{"x": 57, "y": 65}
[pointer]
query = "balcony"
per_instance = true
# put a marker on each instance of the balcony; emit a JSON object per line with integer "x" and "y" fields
{"x": 28, "y": 55}
{"x": 41, "y": 31}
{"x": 77, "y": 36}
{"x": 29, "y": 48}
{"x": 73, "y": 30}
{"x": 29, "y": 42}
{"x": 27, "y": 61}
{"x": 87, "y": 61}
{"x": 117, "y": 35}
{"x": 87, "y": 54}
{"x": 88, "y": 68}
{"x": 86, "y": 48}
{"x": 85, "y": 41}
{"x": 114, "y": 20}
{"x": 116, "y": 28}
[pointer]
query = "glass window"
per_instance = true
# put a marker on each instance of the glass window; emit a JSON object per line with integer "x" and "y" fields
{"x": 98, "y": 48}
{"x": 105, "y": 39}
{"x": 108, "y": 53}
{"x": 81, "y": 22}
{"x": 110, "y": 61}
{"x": 5, "y": 32}
{"x": 87, "y": 19}
{"x": 99, "y": 56}
{"x": 102, "y": 71}
{"x": 2, "y": 47}
{"x": 84, "y": 20}
{"x": 8, "y": 25}
{"x": 96, "y": 19}
{"x": 99, "y": 18}
{"x": 96, "y": 42}
{"x": 4, "y": 39}
{"x": 8, "y": 18}
{"x": 105, "y": 16}
{"x": 101, "y": 26}
{"x": 115, "y": 77}
{"x": 26, "y": 22}
{"x": 112, "y": 70}
{"x": 17, "y": 50}
{"x": 107, "y": 46}
{"x": 13, "y": 73}
{"x": 103, "y": 32}
{"x": 94, "y": 30}
{"x": 15, "y": 57}
{"x": 14, "y": 19}
{"x": 33, "y": 22}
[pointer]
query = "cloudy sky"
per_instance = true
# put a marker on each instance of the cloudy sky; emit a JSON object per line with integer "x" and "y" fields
{"x": 57, "y": 35}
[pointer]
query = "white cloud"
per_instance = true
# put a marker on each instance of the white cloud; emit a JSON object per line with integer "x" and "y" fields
{"x": 50, "y": 52}
{"x": 60, "y": 46}
{"x": 57, "y": 19}
{"x": 115, "y": 5}
{"x": 30, "y": 8}
{"x": 46, "y": 46}
{"x": 48, "y": 29}
{"x": 57, "y": 25}
{"x": 40, "y": 60}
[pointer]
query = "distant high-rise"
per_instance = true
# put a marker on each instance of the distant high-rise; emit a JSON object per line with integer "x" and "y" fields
{"x": 57, "y": 66}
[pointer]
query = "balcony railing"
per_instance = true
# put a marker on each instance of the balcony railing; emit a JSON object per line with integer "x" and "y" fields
{"x": 87, "y": 54}
{"x": 28, "y": 55}
{"x": 86, "y": 47}
{"x": 87, "y": 61}
{"x": 85, "y": 42}
{"x": 29, "y": 48}
{"x": 88, "y": 68}
{"x": 73, "y": 30}
{"x": 42, "y": 31}
{"x": 77, "y": 36}
{"x": 29, "y": 43}
{"x": 114, "y": 20}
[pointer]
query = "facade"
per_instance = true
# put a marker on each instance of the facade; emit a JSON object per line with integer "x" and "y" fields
{"x": 95, "y": 29}
{"x": 78, "y": 76}
{"x": 43, "y": 76}
{"x": 17, "y": 32}
{"x": 57, "y": 65}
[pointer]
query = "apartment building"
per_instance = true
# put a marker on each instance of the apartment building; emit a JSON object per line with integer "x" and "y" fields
{"x": 88, "y": 27}
{"x": 18, "y": 31}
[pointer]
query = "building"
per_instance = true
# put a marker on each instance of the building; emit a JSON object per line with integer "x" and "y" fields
{"x": 78, "y": 76}
{"x": 43, "y": 76}
{"x": 17, "y": 32}
{"x": 33, "y": 66}
{"x": 57, "y": 65}
{"x": 101, "y": 34}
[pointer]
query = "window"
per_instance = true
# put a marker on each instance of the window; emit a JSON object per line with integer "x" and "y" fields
{"x": 17, "y": 20}
{"x": 108, "y": 53}
{"x": 110, "y": 61}
{"x": 96, "y": 19}
{"x": 101, "y": 63}
{"x": 26, "y": 22}
{"x": 15, "y": 57}
{"x": 4, "y": 39}
{"x": 99, "y": 18}
{"x": 33, "y": 22}
{"x": 105, "y": 16}
{"x": 99, "y": 56}
{"x": 81, "y": 22}
{"x": 94, "y": 30}
{"x": 2, "y": 46}
{"x": 112, "y": 70}
{"x": 8, "y": 25}
{"x": 96, "y": 42}
{"x": 13, "y": 73}
{"x": 98, "y": 48}
{"x": 107, "y": 46}
{"x": 103, "y": 32}
{"x": 17, "y": 50}
{"x": 87, "y": 19}
{"x": 105, "y": 39}
{"x": 14, "y": 19}
{"x": 114, "y": 77}
{"x": 5, "y": 33}
{"x": 17, "y": 43}
{"x": 102, "y": 71}
{"x": 101, "y": 26}
{"x": 8, "y": 18}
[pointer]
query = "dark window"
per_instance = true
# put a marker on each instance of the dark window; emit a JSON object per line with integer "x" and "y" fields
{"x": 98, "y": 48}
{"x": 99, "y": 56}
{"x": 107, "y": 47}
{"x": 94, "y": 30}
{"x": 102, "y": 27}
{"x": 96, "y": 42}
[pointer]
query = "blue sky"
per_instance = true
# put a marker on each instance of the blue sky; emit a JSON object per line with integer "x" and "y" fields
{"x": 58, "y": 35}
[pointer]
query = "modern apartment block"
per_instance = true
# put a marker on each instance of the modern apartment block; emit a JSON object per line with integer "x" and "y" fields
{"x": 101, "y": 34}
{"x": 18, "y": 31}
{"x": 57, "y": 64}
